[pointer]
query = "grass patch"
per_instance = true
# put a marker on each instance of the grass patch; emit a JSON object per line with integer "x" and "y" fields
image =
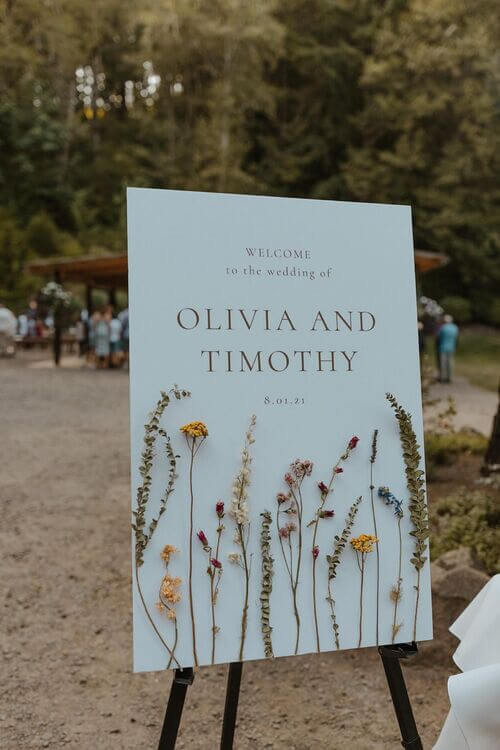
{"x": 478, "y": 357}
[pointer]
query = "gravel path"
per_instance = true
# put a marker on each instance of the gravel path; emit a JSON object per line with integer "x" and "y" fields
{"x": 66, "y": 645}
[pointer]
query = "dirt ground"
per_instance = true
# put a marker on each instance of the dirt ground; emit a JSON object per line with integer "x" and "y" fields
{"x": 66, "y": 645}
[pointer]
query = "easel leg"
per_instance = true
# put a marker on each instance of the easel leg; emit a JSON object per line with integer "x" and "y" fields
{"x": 231, "y": 706}
{"x": 391, "y": 656}
{"x": 182, "y": 679}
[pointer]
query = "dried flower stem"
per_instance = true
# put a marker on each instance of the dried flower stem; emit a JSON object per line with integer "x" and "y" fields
{"x": 362, "y": 546}
{"x": 289, "y": 570}
{"x": 214, "y": 589}
{"x": 193, "y": 449}
{"x": 375, "y": 530}
{"x": 415, "y": 484}
{"x": 142, "y": 538}
{"x": 396, "y": 592}
{"x": 239, "y": 512}
{"x": 148, "y": 615}
{"x": 361, "y": 566}
{"x": 325, "y": 490}
{"x": 293, "y": 571}
{"x": 334, "y": 561}
{"x": 267, "y": 584}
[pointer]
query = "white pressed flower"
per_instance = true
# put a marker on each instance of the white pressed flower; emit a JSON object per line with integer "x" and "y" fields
{"x": 234, "y": 557}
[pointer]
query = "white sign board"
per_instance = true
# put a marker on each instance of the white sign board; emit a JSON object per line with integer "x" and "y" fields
{"x": 287, "y": 321}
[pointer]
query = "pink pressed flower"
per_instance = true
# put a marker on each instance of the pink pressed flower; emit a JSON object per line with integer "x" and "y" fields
{"x": 301, "y": 468}
{"x": 202, "y": 537}
{"x": 308, "y": 467}
{"x": 281, "y": 497}
{"x": 291, "y": 527}
{"x": 283, "y": 532}
{"x": 315, "y": 551}
{"x": 322, "y": 488}
{"x": 215, "y": 562}
{"x": 289, "y": 479}
{"x": 327, "y": 514}
{"x": 339, "y": 470}
{"x": 219, "y": 508}
{"x": 353, "y": 442}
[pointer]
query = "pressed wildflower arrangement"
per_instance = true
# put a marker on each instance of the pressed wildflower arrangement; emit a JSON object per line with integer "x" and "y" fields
{"x": 322, "y": 513}
{"x": 240, "y": 515}
{"x": 142, "y": 536}
{"x": 169, "y": 596}
{"x": 416, "y": 505}
{"x": 298, "y": 514}
{"x": 291, "y": 504}
{"x": 195, "y": 434}
{"x": 362, "y": 546}
{"x": 333, "y": 560}
{"x": 397, "y": 588}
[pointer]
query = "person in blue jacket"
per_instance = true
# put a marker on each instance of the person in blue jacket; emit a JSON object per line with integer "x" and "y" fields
{"x": 447, "y": 339}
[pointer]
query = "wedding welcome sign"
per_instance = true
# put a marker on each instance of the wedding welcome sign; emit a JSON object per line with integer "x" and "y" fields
{"x": 278, "y": 489}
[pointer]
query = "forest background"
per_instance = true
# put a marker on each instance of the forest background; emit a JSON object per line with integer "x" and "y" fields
{"x": 367, "y": 100}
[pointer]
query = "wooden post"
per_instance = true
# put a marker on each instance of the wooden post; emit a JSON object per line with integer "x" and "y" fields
{"x": 112, "y": 298}
{"x": 57, "y": 342}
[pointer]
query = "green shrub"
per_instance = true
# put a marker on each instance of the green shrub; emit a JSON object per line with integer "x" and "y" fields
{"x": 493, "y": 313}
{"x": 468, "y": 519}
{"x": 459, "y": 307}
{"x": 444, "y": 449}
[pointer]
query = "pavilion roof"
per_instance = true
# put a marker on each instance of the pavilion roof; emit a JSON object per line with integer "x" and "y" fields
{"x": 101, "y": 271}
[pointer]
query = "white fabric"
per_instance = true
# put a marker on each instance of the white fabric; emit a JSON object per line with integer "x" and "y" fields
{"x": 474, "y": 719}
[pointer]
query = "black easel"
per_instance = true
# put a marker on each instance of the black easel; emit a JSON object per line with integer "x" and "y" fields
{"x": 391, "y": 657}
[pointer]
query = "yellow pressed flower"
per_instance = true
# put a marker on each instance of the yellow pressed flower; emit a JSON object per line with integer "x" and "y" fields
{"x": 195, "y": 429}
{"x": 364, "y": 543}
{"x": 168, "y": 550}
{"x": 171, "y": 615}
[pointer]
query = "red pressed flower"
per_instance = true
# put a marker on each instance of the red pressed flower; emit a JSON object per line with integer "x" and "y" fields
{"x": 219, "y": 508}
{"x": 202, "y": 537}
{"x": 353, "y": 442}
{"x": 339, "y": 470}
{"x": 322, "y": 488}
{"x": 215, "y": 562}
{"x": 315, "y": 551}
{"x": 327, "y": 514}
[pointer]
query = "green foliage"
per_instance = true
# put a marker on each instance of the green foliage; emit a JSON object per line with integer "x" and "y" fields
{"x": 469, "y": 519}
{"x": 459, "y": 307}
{"x": 393, "y": 100}
{"x": 444, "y": 449}
{"x": 478, "y": 356}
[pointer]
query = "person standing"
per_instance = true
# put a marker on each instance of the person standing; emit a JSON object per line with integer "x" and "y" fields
{"x": 447, "y": 338}
{"x": 115, "y": 331}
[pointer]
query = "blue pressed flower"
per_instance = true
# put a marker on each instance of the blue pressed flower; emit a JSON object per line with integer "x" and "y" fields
{"x": 390, "y": 499}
